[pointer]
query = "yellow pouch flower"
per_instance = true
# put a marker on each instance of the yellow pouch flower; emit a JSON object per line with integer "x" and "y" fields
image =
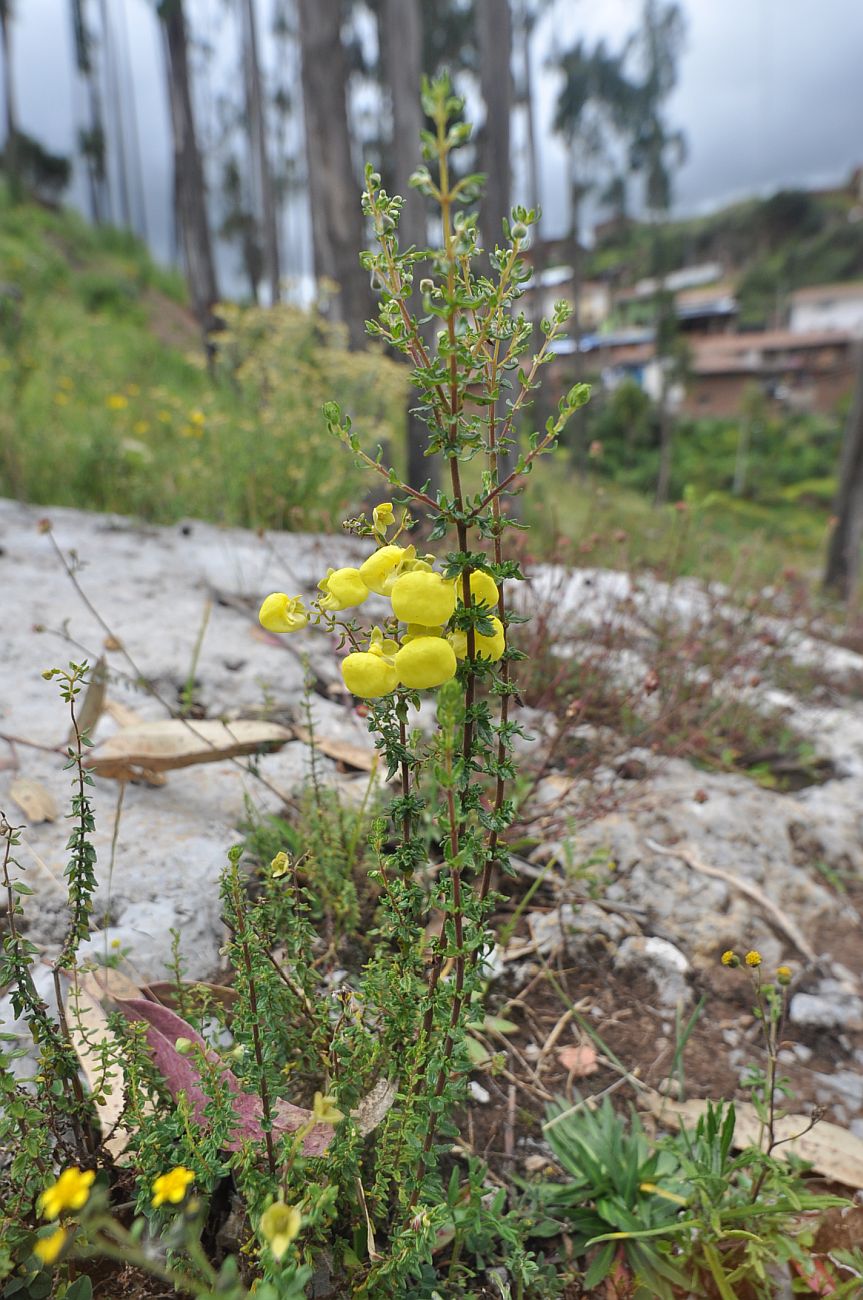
{"x": 483, "y": 588}
{"x": 342, "y": 588}
{"x": 368, "y": 675}
{"x": 485, "y": 647}
{"x": 281, "y": 613}
{"x": 419, "y": 629}
{"x": 380, "y": 571}
{"x": 423, "y": 597}
{"x": 426, "y": 662}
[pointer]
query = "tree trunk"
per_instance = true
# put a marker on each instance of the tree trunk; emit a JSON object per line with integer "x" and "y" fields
{"x": 10, "y": 147}
{"x": 400, "y": 33}
{"x": 843, "y": 553}
{"x": 494, "y": 44}
{"x": 91, "y": 141}
{"x": 262, "y": 171}
{"x": 115, "y": 114}
{"x": 189, "y": 192}
{"x": 337, "y": 222}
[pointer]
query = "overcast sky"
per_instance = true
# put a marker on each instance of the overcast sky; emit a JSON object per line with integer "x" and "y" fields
{"x": 770, "y": 93}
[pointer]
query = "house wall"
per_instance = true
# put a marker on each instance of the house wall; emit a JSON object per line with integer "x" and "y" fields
{"x": 813, "y": 315}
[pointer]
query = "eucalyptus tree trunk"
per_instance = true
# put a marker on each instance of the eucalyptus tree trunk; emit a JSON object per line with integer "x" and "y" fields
{"x": 400, "y": 30}
{"x": 494, "y": 44}
{"x": 189, "y": 193}
{"x": 91, "y": 140}
{"x": 10, "y": 148}
{"x": 843, "y": 553}
{"x": 257, "y": 126}
{"x": 337, "y": 222}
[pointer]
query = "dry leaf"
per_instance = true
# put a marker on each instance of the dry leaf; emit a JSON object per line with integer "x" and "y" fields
{"x": 94, "y": 700}
{"x": 108, "y": 982}
{"x": 830, "y": 1149}
{"x": 578, "y": 1059}
{"x": 89, "y": 1031}
{"x": 166, "y": 992}
{"x": 33, "y": 799}
{"x": 342, "y": 751}
{"x": 122, "y": 714}
{"x": 374, "y": 1106}
{"x": 162, "y": 746}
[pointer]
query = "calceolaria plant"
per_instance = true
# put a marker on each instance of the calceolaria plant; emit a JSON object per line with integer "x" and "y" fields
{"x": 316, "y": 1109}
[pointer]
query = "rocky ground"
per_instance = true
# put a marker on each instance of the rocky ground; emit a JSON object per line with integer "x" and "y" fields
{"x": 681, "y": 863}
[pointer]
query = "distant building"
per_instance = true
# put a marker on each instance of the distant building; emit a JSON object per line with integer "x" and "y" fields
{"x": 556, "y": 283}
{"x": 827, "y": 307}
{"x": 806, "y": 372}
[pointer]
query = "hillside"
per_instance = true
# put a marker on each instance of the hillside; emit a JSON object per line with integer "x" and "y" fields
{"x": 769, "y": 246}
{"x": 106, "y": 401}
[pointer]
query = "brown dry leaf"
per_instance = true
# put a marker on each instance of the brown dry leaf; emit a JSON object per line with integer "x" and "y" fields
{"x": 122, "y": 714}
{"x": 36, "y": 803}
{"x": 94, "y": 700}
{"x": 89, "y": 1031}
{"x": 374, "y": 1106}
{"x": 342, "y": 751}
{"x": 162, "y": 746}
{"x": 829, "y": 1148}
{"x": 578, "y": 1059}
{"x": 108, "y": 982}
{"x": 166, "y": 992}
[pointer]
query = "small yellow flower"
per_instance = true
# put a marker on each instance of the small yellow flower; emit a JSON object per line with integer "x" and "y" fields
{"x": 483, "y": 588}
{"x": 753, "y": 958}
{"x": 141, "y": 426}
{"x": 369, "y": 675}
{"x": 729, "y": 958}
{"x": 172, "y": 1186}
{"x": 116, "y": 402}
{"x": 485, "y": 647}
{"x": 423, "y": 597}
{"x": 281, "y": 613}
{"x": 784, "y": 974}
{"x": 197, "y": 417}
{"x": 380, "y": 571}
{"x": 70, "y": 1192}
{"x": 280, "y": 866}
{"x": 61, "y": 399}
{"x": 325, "y": 1110}
{"x": 426, "y": 662}
{"x": 383, "y": 517}
{"x": 48, "y": 1248}
{"x": 280, "y": 1225}
{"x": 342, "y": 588}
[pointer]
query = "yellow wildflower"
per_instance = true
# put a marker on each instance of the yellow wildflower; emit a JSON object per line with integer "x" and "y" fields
{"x": 47, "y": 1249}
{"x": 342, "y": 588}
{"x": 783, "y": 974}
{"x": 382, "y": 517}
{"x": 116, "y": 402}
{"x": 280, "y": 1225}
{"x": 141, "y": 426}
{"x": 61, "y": 399}
{"x": 325, "y": 1110}
{"x": 426, "y": 662}
{"x": 729, "y": 958}
{"x": 753, "y": 958}
{"x": 483, "y": 588}
{"x": 281, "y": 613}
{"x": 423, "y": 597}
{"x": 485, "y": 647}
{"x": 380, "y": 571}
{"x": 280, "y": 866}
{"x": 70, "y": 1192}
{"x": 197, "y": 417}
{"x": 369, "y": 675}
{"x": 172, "y": 1186}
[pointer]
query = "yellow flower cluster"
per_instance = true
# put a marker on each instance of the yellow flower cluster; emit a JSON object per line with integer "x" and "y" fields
{"x": 70, "y": 1192}
{"x": 172, "y": 1186}
{"x": 426, "y": 653}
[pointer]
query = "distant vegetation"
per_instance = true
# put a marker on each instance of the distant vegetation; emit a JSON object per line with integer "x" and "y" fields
{"x": 106, "y": 403}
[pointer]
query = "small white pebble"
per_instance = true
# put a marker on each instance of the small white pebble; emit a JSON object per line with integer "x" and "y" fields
{"x": 479, "y": 1093}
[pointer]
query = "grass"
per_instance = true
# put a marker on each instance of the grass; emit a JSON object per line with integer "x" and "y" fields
{"x": 106, "y": 401}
